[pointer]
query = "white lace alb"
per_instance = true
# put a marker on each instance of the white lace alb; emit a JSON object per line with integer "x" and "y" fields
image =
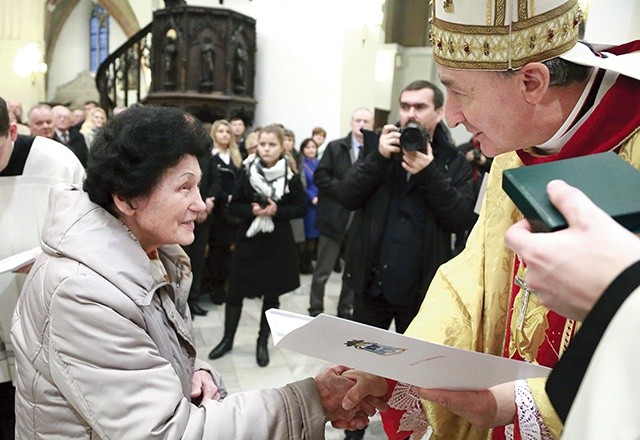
{"x": 532, "y": 426}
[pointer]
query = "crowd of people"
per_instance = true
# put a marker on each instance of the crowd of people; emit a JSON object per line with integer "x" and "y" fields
{"x": 138, "y": 235}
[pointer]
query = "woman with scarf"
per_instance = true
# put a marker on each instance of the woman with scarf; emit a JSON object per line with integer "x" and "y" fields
{"x": 268, "y": 195}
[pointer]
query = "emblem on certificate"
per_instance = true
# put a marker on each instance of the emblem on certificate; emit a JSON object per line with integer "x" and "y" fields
{"x": 374, "y": 347}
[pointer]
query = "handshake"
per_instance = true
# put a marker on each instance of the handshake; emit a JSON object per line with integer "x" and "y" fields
{"x": 350, "y": 397}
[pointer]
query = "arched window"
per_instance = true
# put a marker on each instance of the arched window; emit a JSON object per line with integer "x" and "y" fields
{"x": 99, "y": 36}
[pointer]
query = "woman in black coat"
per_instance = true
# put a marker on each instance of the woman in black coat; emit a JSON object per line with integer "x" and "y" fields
{"x": 227, "y": 161}
{"x": 268, "y": 195}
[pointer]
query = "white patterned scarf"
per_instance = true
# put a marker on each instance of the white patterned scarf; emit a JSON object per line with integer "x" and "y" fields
{"x": 268, "y": 182}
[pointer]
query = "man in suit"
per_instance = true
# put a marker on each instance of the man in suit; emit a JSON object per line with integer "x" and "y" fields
{"x": 66, "y": 134}
{"x": 332, "y": 219}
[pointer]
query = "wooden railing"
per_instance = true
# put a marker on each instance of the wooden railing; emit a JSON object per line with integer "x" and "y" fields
{"x": 124, "y": 77}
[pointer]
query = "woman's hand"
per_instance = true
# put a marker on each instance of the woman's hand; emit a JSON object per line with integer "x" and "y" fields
{"x": 368, "y": 391}
{"x": 268, "y": 211}
{"x": 333, "y": 385}
{"x": 24, "y": 269}
{"x": 202, "y": 387}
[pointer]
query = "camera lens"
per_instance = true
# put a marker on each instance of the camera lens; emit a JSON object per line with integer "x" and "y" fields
{"x": 413, "y": 137}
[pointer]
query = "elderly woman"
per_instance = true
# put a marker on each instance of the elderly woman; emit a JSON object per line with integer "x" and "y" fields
{"x": 102, "y": 332}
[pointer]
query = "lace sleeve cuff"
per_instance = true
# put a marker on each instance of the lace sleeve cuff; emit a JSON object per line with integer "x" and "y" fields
{"x": 407, "y": 405}
{"x": 528, "y": 424}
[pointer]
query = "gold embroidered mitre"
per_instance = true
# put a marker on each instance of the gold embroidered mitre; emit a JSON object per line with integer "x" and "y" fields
{"x": 502, "y": 34}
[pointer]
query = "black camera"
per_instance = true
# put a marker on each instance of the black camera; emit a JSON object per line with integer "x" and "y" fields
{"x": 413, "y": 137}
{"x": 261, "y": 200}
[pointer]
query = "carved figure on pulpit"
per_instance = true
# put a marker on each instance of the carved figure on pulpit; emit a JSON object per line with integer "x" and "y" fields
{"x": 241, "y": 61}
{"x": 170, "y": 53}
{"x": 207, "y": 58}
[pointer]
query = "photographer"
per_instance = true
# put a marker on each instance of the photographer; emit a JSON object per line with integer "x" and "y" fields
{"x": 411, "y": 192}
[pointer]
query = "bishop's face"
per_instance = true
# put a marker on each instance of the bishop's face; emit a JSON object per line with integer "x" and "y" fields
{"x": 491, "y": 107}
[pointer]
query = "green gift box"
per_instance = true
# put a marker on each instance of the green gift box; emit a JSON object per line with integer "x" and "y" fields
{"x": 609, "y": 181}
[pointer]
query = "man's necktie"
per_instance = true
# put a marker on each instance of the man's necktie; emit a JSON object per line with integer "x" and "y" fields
{"x": 356, "y": 155}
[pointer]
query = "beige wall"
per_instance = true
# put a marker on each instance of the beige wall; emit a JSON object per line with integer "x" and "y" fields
{"x": 612, "y": 22}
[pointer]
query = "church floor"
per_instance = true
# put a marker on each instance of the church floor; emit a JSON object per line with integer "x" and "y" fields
{"x": 239, "y": 368}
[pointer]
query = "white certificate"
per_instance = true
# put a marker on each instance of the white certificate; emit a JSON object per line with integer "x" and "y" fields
{"x": 394, "y": 356}
{"x": 20, "y": 260}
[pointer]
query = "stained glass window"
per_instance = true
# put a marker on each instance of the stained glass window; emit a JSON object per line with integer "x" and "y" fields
{"x": 99, "y": 37}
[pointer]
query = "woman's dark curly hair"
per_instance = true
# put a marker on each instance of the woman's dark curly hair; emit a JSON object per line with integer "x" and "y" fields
{"x": 136, "y": 147}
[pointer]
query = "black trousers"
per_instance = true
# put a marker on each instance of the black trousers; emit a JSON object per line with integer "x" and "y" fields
{"x": 7, "y": 411}
{"x": 379, "y": 312}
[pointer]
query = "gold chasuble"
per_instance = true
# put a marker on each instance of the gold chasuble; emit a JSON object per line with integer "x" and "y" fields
{"x": 470, "y": 303}
{"x": 474, "y": 304}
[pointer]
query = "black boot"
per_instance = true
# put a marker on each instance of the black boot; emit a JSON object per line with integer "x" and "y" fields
{"x": 262, "y": 350}
{"x": 217, "y": 298}
{"x": 196, "y": 310}
{"x": 231, "y": 319}
{"x": 218, "y": 293}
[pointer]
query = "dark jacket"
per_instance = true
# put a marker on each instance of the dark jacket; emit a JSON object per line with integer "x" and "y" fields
{"x": 210, "y": 185}
{"x": 267, "y": 263}
{"x": 77, "y": 145}
{"x": 332, "y": 218}
{"x": 223, "y": 224}
{"x": 445, "y": 189}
